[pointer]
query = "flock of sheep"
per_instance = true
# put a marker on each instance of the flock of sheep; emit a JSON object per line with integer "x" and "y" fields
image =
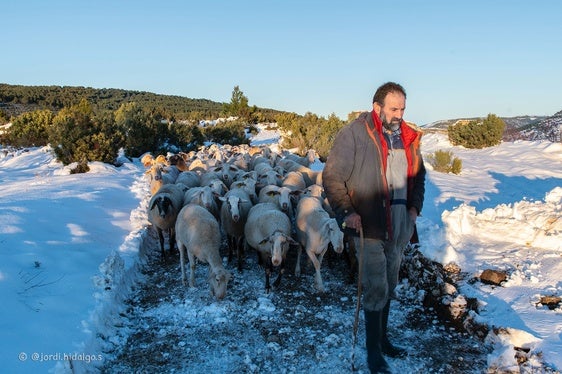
{"x": 256, "y": 198}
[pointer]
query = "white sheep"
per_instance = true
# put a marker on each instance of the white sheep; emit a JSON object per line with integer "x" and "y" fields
{"x": 217, "y": 186}
{"x": 282, "y": 196}
{"x": 316, "y": 190}
{"x": 226, "y": 173}
{"x": 316, "y": 230}
{"x": 234, "y": 210}
{"x": 294, "y": 180}
{"x": 306, "y": 160}
{"x": 203, "y": 196}
{"x": 310, "y": 176}
{"x": 159, "y": 173}
{"x": 248, "y": 185}
{"x": 189, "y": 178}
{"x": 268, "y": 177}
{"x": 163, "y": 209}
{"x": 268, "y": 230}
{"x": 198, "y": 233}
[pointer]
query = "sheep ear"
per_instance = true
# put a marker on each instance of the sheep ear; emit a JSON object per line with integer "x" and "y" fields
{"x": 222, "y": 198}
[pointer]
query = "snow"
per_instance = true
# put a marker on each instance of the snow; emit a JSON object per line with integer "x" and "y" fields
{"x": 66, "y": 239}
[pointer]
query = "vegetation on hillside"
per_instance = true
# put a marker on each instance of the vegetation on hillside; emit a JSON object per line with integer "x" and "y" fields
{"x": 17, "y": 99}
{"x": 93, "y": 125}
{"x": 477, "y": 133}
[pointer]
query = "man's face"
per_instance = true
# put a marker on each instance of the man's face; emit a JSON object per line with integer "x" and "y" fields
{"x": 392, "y": 111}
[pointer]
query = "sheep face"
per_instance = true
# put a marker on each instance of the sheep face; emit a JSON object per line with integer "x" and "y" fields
{"x": 279, "y": 247}
{"x": 163, "y": 203}
{"x": 335, "y": 235}
{"x": 218, "y": 282}
{"x": 233, "y": 205}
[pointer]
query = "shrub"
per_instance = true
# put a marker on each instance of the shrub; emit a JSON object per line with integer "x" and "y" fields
{"x": 77, "y": 135}
{"x": 443, "y": 161}
{"x": 477, "y": 134}
{"x": 30, "y": 129}
{"x": 229, "y": 132}
{"x": 309, "y": 132}
{"x": 456, "y": 166}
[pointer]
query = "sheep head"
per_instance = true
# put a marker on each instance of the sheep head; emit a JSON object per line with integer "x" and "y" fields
{"x": 335, "y": 235}
{"x": 163, "y": 203}
{"x": 280, "y": 243}
{"x": 218, "y": 281}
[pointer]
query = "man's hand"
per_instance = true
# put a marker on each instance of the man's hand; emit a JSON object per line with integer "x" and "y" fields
{"x": 353, "y": 221}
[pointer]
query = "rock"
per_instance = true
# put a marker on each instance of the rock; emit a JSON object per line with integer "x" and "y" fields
{"x": 494, "y": 277}
{"x": 552, "y": 302}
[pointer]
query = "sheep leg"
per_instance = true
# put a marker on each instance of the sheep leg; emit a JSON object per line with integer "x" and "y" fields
{"x": 298, "y": 265}
{"x": 267, "y": 275}
{"x": 240, "y": 249}
{"x": 231, "y": 243}
{"x": 191, "y": 268}
{"x": 161, "y": 238}
{"x": 182, "y": 263}
{"x": 281, "y": 271}
{"x": 172, "y": 234}
{"x": 317, "y": 262}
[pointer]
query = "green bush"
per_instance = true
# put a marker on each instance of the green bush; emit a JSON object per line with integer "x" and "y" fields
{"x": 309, "y": 132}
{"x": 30, "y": 129}
{"x": 443, "y": 161}
{"x": 228, "y": 132}
{"x": 477, "y": 134}
{"x": 77, "y": 135}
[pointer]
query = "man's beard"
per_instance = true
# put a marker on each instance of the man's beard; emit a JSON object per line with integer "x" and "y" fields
{"x": 393, "y": 125}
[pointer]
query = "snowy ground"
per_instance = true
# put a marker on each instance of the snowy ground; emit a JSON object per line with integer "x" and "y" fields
{"x": 82, "y": 288}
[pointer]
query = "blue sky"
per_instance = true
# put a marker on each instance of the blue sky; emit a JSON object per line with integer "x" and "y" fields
{"x": 455, "y": 58}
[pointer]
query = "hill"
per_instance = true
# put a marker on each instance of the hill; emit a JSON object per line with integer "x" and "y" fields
{"x": 516, "y": 128}
{"x": 17, "y": 99}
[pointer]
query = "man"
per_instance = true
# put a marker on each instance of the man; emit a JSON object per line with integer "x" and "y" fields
{"x": 374, "y": 179}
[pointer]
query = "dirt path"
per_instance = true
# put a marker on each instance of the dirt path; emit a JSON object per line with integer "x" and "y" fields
{"x": 169, "y": 328}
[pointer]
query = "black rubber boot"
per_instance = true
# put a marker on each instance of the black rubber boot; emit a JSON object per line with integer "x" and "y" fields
{"x": 386, "y": 346}
{"x": 373, "y": 334}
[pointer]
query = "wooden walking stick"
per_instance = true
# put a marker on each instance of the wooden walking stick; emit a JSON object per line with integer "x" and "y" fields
{"x": 359, "y": 291}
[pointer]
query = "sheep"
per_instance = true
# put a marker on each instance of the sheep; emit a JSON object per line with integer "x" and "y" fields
{"x": 252, "y": 174}
{"x": 159, "y": 175}
{"x": 227, "y": 173}
{"x": 217, "y": 186}
{"x": 258, "y": 158}
{"x": 198, "y": 233}
{"x": 310, "y": 157}
{"x": 281, "y": 196}
{"x": 316, "y": 230}
{"x": 234, "y": 210}
{"x": 294, "y": 181}
{"x": 180, "y": 161}
{"x": 316, "y": 190}
{"x": 248, "y": 185}
{"x": 189, "y": 179}
{"x": 148, "y": 160}
{"x": 241, "y": 161}
{"x": 268, "y": 177}
{"x": 163, "y": 209}
{"x": 268, "y": 230}
{"x": 204, "y": 197}
{"x": 198, "y": 165}
{"x": 310, "y": 176}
